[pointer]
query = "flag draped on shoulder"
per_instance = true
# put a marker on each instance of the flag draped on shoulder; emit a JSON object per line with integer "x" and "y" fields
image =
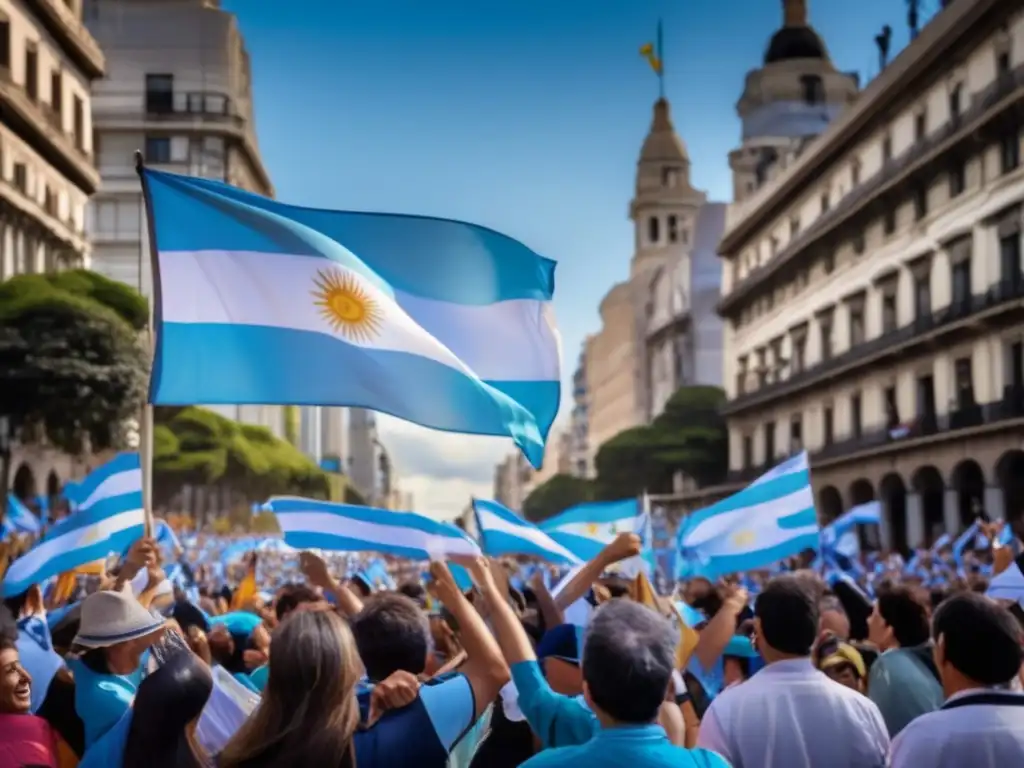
{"x": 438, "y": 322}
{"x": 108, "y": 518}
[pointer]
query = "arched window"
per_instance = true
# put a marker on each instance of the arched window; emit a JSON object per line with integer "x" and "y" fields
{"x": 673, "y": 229}
{"x": 653, "y": 230}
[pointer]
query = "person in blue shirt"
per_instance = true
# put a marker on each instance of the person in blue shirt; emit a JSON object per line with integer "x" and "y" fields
{"x": 629, "y": 655}
{"x": 117, "y": 633}
{"x": 628, "y": 658}
{"x": 309, "y": 713}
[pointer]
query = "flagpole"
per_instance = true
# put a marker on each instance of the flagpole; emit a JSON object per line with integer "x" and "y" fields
{"x": 146, "y": 422}
{"x": 661, "y": 61}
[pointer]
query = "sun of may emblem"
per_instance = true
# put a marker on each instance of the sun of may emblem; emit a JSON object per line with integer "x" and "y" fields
{"x": 744, "y": 538}
{"x": 347, "y": 306}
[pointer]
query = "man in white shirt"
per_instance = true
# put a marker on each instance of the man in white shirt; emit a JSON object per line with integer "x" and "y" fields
{"x": 789, "y": 714}
{"x": 978, "y": 653}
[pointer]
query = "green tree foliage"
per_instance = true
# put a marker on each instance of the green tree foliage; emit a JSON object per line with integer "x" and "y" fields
{"x": 352, "y": 496}
{"x": 72, "y": 364}
{"x": 689, "y": 437}
{"x": 195, "y": 446}
{"x": 556, "y": 495}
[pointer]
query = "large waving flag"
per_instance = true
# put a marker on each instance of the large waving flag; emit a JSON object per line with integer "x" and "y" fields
{"x": 587, "y": 528}
{"x": 19, "y": 518}
{"x": 311, "y": 524}
{"x": 109, "y": 518}
{"x": 769, "y": 520}
{"x": 503, "y": 532}
{"x": 438, "y": 322}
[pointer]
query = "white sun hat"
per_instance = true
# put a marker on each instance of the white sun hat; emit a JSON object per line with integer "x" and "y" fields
{"x": 109, "y": 618}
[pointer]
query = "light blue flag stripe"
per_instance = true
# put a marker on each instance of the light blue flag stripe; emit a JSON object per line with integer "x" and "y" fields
{"x": 770, "y": 520}
{"x": 593, "y": 512}
{"x": 453, "y": 327}
{"x": 110, "y": 517}
{"x": 587, "y": 528}
{"x": 312, "y": 524}
{"x": 503, "y": 533}
{"x": 492, "y": 267}
{"x": 20, "y": 517}
{"x": 755, "y": 494}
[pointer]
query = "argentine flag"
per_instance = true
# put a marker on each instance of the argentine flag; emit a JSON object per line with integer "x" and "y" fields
{"x": 437, "y": 322}
{"x": 503, "y": 532}
{"x": 771, "y": 519}
{"x": 19, "y": 518}
{"x": 840, "y": 536}
{"x": 311, "y": 524}
{"x": 109, "y": 518}
{"x": 587, "y": 528}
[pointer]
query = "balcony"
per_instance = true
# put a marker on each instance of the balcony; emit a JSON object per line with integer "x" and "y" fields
{"x": 40, "y": 127}
{"x": 64, "y": 26}
{"x": 176, "y": 109}
{"x": 1002, "y": 299}
{"x": 915, "y": 163}
{"x": 1009, "y": 408}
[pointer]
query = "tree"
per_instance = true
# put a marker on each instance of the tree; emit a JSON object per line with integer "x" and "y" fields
{"x": 72, "y": 364}
{"x": 352, "y": 496}
{"x": 689, "y": 437}
{"x": 556, "y": 495}
{"x": 197, "y": 447}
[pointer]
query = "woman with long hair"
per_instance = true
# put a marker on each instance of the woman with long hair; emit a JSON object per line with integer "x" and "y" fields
{"x": 310, "y": 716}
{"x": 309, "y": 711}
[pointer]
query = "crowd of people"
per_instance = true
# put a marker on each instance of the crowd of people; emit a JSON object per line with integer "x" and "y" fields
{"x": 303, "y": 659}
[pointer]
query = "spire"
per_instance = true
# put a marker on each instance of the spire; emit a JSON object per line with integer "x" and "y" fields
{"x": 663, "y": 143}
{"x": 794, "y": 13}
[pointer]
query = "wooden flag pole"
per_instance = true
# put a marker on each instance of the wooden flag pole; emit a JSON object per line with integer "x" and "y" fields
{"x": 146, "y": 420}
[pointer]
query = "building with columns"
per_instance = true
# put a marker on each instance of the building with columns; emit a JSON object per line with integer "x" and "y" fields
{"x": 873, "y": 290}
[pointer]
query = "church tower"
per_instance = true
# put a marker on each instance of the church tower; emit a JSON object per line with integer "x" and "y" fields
{"x": 788, "y": 101}
{"x": 665, "y": 205}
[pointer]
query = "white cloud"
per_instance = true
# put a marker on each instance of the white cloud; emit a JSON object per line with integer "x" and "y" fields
{"x": 442, "y": 470}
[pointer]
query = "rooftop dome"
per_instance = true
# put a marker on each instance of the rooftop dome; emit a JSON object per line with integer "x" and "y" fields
{"x": 795, "y": 43}
{"x": 797, "y": 39}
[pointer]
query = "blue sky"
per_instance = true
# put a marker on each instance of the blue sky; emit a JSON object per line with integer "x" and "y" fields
{"x": 524, "y": 116}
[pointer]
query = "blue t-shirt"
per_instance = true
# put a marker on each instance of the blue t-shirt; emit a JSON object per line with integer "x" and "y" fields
{"x": 102, "y": 700}
{"x": 258, "y": 678}
{"x": 238, "y": 622}
{"x": 423, "y": 734}
{"x": 557, "y": 720}
{"x": 645, "y": 745}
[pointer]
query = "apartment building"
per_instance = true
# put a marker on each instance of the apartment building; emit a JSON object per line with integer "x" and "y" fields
{"x": 47, "y": 61}
{"x": 47, "y": 172}
{"x": 178, "y": 89}
{"x": 873, "y": 290}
